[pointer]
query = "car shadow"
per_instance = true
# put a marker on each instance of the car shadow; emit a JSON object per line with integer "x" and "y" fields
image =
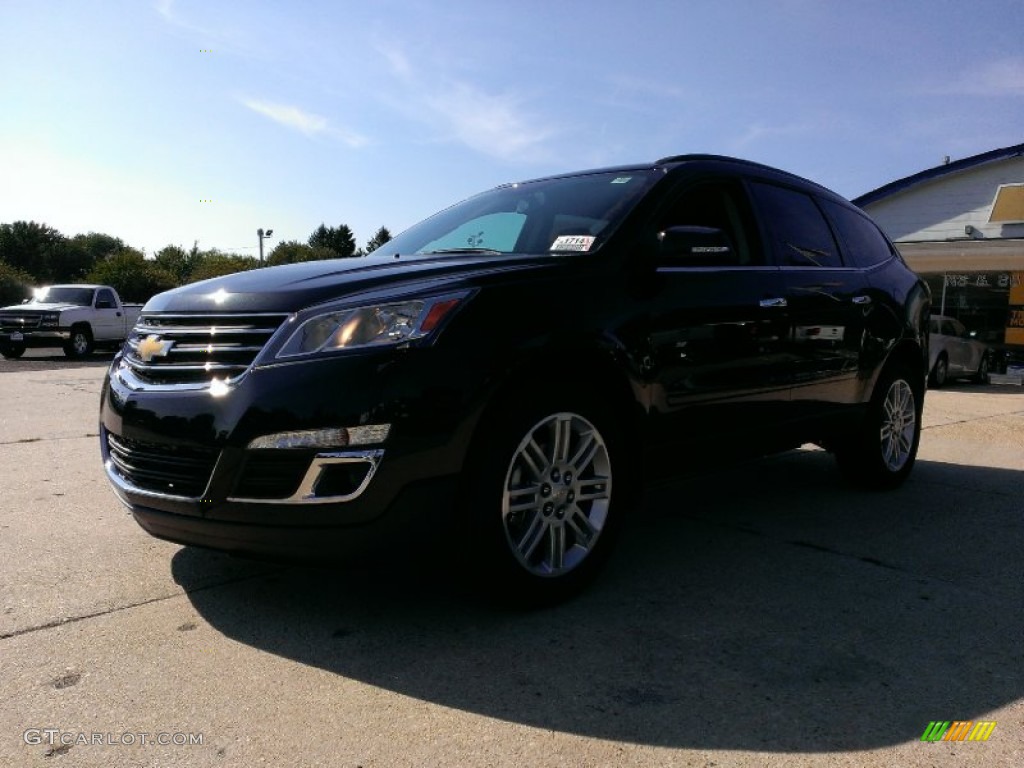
{"x": 767, "y": 607}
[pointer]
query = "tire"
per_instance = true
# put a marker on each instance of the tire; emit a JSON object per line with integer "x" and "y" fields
{"x": 881, "y": 454}
{"x": 12, "y": 352}
{"x": 982, "y": 376}
{"x": 80, "y": 344}
{"x": 940, "y": 373}
{"x": 541, "y": 501}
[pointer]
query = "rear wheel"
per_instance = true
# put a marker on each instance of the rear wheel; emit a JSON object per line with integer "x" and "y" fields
{"x": 882, "y": 452}
{"x": 982, "y": 376}
{"x": 542, "y": 501}
{"x": 12, "y": 351}
{"x": 80, "y": 343}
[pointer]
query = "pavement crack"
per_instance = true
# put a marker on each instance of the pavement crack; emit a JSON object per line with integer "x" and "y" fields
{"x": 65, "y": 620}
{"x": 22, "y": 440}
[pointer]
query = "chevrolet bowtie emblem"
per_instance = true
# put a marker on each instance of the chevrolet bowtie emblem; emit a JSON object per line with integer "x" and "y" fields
{"x": 153, "y": 346}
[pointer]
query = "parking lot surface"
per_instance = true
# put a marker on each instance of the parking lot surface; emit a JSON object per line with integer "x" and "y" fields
{"x": 763, "y": 615}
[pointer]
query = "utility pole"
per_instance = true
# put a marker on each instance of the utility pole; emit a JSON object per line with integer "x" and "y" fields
{"x": 261, "y": 235}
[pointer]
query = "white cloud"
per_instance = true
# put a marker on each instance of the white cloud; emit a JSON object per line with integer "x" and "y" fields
{"x": 997, "y": 78}
{"x": 497, "y": 124}
{"x": 164, "y": 7}
{"x": 305, "y": 122}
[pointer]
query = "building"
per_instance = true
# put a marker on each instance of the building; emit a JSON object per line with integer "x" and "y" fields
{"x": 961, "y": 227}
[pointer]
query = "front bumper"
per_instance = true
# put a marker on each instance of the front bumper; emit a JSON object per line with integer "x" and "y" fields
{"x": 35, "y": 339}
{"x": 291, "y": 503}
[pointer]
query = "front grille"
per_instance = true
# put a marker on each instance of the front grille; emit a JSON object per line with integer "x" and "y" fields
{"x": 169, "y": 469}
{"x": 19, "y": 322}
{"x": 191, "y": 349}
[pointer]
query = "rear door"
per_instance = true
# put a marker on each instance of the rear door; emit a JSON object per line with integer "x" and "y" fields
{"x": 827, "y": 300}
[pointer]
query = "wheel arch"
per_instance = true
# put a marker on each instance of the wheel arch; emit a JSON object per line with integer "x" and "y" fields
{"x": 593, "y": 375}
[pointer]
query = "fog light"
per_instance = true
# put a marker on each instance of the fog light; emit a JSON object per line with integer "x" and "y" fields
{"x": 337, "y": 437}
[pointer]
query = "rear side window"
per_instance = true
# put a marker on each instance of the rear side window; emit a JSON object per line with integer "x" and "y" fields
{"x": 105, "y": 298}
{"x": 863, "y": 244}
{"x": 800, "y": 235}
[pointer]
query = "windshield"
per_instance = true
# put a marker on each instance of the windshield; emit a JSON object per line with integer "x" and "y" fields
{"x": 63, "y": 294}
{"x": 575, "y": 214}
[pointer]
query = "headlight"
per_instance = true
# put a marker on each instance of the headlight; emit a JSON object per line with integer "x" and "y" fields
{"x": 371, "y": 326}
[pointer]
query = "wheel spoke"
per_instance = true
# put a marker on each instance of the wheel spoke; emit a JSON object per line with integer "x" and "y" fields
{"x": 534, "y": 458}
{"x": 593, "y": 488}
{"x": 556, "y": 550}
{"x": 533, "y": 536}
{"x": 562, "y": 439}
{"x": 521, "y": 499}
{"x": 588, "y": 449}
{"x": 585, "y": 531}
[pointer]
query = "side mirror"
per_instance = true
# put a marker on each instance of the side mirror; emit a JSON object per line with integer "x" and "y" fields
{"x": 707, "y": 246}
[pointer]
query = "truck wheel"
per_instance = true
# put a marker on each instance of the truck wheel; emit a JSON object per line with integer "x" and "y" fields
{"x": 13, "y": 351}
{"x": 80, "y": 343}
{"x": 541, "y": 506}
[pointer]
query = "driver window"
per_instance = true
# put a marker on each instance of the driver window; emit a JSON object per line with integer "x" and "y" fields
{"x": 105, "y": 299}
{"x": 720, "y": 205}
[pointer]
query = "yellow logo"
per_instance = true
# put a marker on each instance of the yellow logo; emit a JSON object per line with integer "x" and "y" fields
{"x": 152, "y": 346}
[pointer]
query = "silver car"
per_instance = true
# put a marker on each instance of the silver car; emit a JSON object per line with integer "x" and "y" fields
{"x": 954, "y": 353}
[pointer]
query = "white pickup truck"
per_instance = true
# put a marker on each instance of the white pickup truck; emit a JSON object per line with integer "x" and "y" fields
{"x": 77, "y": 318}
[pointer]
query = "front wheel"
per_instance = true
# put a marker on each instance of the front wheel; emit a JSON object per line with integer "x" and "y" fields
{"x": 542, "y": 502}
{"x": 940, "y": 373}
{"x": 883, "y": 451}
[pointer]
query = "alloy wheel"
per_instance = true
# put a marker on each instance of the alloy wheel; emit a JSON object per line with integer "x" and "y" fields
{"x": 556, "y": 495}
{"x": 899, "y": 421}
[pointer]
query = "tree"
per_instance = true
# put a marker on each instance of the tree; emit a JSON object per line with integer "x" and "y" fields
{"x": 33, "y": 248}
{"x": 292, "y": 251}
{"x": 213, "y": 263}
{"x": 178, "y": 261}
{"x": 15, "y": 285}
{"x": 134, "y": 278}
{"x": 338, "y": 239}
{"x": 83, "y": 253}
{"x": 378, "y": 240}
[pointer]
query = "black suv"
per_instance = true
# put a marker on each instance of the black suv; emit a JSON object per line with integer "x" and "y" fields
{"x": 521, "y": 362}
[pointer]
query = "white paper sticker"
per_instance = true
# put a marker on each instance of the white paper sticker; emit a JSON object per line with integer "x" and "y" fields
{"x": 622, "y": 180}
{"x": 573, "y": 243}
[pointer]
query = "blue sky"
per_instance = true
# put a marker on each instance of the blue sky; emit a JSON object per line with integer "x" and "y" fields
{"x": 171, "y": 121}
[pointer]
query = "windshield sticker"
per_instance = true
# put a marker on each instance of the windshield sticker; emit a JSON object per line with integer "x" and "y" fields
{"x": 573, "y": 243}
{"x": 622, "y": 180}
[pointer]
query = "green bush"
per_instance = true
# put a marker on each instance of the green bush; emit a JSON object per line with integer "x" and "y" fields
{"x": 15, "y": 285}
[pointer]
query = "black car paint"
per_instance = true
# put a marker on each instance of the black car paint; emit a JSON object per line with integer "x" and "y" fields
{"x": 613, "y": 320}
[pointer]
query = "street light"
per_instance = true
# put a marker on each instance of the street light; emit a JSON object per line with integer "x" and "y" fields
{"x": 262, "y": 236}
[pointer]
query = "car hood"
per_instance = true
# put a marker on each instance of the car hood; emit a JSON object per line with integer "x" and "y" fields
{"x": 292, "y": 287}
{"x": 40, "y": 307}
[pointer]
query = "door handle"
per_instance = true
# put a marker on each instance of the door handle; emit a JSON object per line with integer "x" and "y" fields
{"x": 862, "y": 300}
{"x": 771, "y": 303}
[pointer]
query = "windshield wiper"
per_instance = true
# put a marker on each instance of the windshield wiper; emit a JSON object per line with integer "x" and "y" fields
{"x": 489, "y": 251}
